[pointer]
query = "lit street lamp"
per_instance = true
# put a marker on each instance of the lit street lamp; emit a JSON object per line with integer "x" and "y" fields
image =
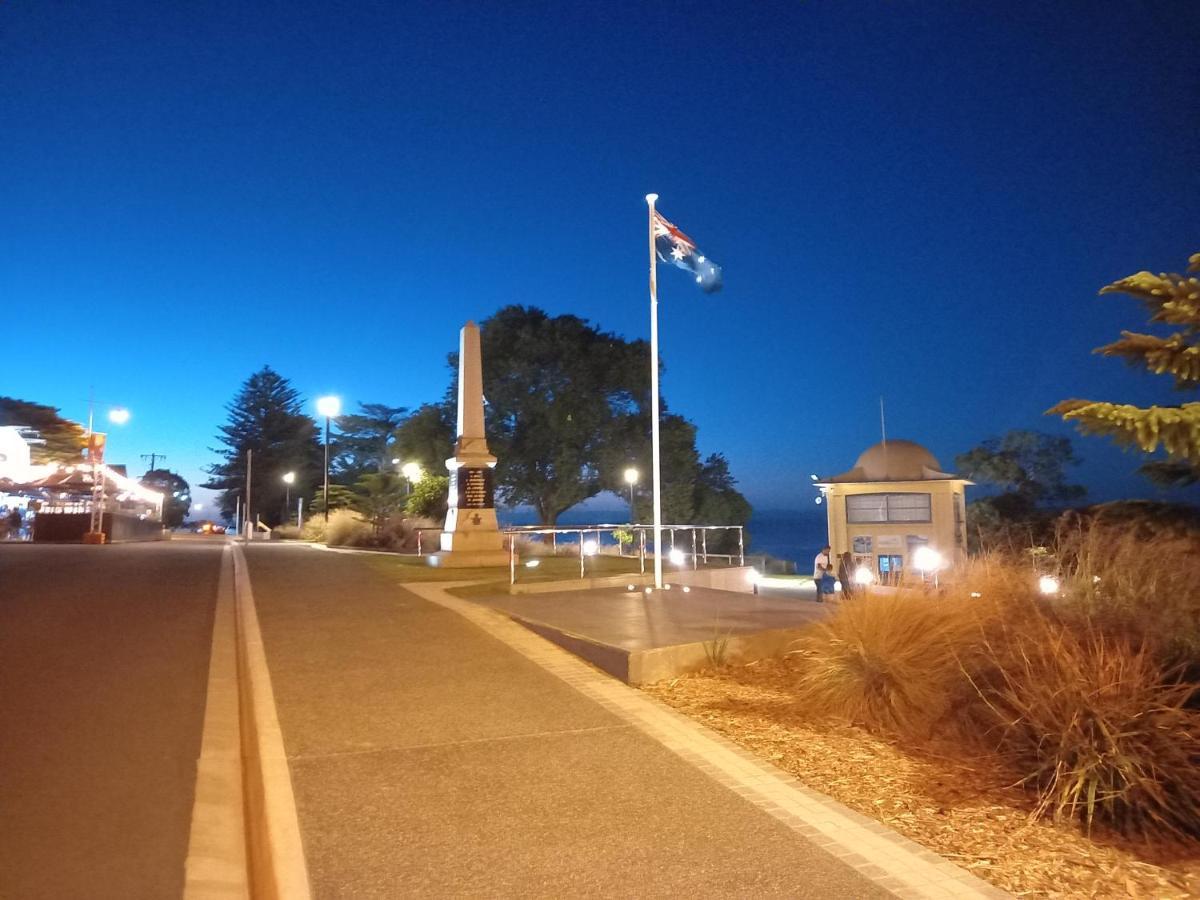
{"x": 631, "y": 478}
{"x": 928, "y": 560}
{"x": 289, "y": 478}
{"x": 329, "y": 407}
{"x": 412, "y": 473}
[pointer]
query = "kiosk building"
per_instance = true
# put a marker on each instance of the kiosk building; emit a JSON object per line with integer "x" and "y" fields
{"x": 894, "y": 500}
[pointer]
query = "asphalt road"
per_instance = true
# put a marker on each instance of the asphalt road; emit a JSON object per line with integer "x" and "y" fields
{"x": 103, "y": 665}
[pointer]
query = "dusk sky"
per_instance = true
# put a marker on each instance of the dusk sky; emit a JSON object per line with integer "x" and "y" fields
{"x": 914, "y": 200}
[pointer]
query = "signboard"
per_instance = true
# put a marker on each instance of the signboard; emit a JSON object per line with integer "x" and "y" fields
{"x": 861, "y": 543}
{"x": 889, "y": 542}
{"x": 474, "y": 488}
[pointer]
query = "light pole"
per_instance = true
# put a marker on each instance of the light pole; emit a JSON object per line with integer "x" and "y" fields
{"x": 329, "y": 407}
{"x": 289, "y": 479}
{"x": 631, "y": 478}
{"x": 118, "y": 415}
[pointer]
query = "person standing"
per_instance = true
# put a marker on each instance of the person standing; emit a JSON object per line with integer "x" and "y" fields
{"x": 823, "y": 573}
{"x": 845, "y": 574}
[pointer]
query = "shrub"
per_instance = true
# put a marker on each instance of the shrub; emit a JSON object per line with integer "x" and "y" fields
{"x": 286, "y": 532}
{"x": 400, "y": 533}
{"x": 1094, "y": 725}
{"x": 348, "y": 529}
{"x": 889, "y": 663}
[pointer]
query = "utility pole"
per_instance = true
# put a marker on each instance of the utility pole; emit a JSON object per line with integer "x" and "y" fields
{"x": 154, "y": 457}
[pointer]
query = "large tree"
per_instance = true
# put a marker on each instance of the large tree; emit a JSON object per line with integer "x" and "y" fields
{"x": 363, "y": 443}
{"x": 266, "y": 418}
{"x": 558, "y": 391}
{"x": 567, "y": 412}
{"x": 1174, "y": 303}
{"x": 177, "y": 494}
{"x": 1029, "y": 469}
{"x": 427, "y": 437}
{"x": 55, "y": 439}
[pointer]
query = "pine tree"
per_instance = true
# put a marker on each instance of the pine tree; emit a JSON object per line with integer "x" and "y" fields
{"x": 266, "y": 417}
{"x": 1173, "y": 300}
{"x": 364, "y": 440}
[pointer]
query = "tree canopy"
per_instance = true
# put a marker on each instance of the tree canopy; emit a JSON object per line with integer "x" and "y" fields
{"x": 55, "y": 439}
{"x": 266, "y": 417}
{"x": 558, "y": 391}
{"x": 1030, "y": 470}
{"x": 1174, "y": 303}
{"x": 427, "y": 437}
{"x": 363, "y": 443}
{"x": 1028, "y": 466}
{"x": 177, "y": 494}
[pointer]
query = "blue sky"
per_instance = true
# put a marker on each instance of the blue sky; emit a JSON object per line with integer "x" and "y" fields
{"x": 914, "y": 200}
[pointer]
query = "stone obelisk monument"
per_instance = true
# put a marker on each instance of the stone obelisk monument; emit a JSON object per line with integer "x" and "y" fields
{"x": 471, "y": 536}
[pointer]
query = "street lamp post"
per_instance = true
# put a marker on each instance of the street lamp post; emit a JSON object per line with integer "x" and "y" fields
{"x": 631, "y": 478}
{"x": 118, "y": 415}
{"x": 329, "y": 407}
{"x": 412, "y": 472}
{"x": 289, "y": 479}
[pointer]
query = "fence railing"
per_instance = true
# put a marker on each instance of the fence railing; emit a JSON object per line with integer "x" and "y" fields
{"x": 591, "y": 536}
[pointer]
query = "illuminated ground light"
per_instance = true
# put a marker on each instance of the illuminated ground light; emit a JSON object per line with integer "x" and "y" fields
{"x": 863, "y": 576}
{"x": 1048, "y": 584}
{"x": 533, "y": 563}
{"x": 686, "y": 589}
{"x": 677, "y": 557}
{"x": 590, "y": 548}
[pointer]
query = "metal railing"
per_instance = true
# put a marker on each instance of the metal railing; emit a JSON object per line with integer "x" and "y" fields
{"x": 699, "y": 541}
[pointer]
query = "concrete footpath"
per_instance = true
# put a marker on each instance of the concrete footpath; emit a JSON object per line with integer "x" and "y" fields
{"x": 438, "y": 749}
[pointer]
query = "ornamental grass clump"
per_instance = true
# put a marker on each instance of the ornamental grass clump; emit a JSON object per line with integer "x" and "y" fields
{"x": 888, "y": 663}
{"x": 1124, "y": 581}
{"x": 1093, "y": 724}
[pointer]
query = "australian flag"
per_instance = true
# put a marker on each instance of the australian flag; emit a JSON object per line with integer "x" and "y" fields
{"x": 675, "y": 247}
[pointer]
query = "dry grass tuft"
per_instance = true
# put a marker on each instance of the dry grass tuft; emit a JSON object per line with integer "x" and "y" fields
{"x": 1094, "y": 725}
{"x": 890, "y": 664}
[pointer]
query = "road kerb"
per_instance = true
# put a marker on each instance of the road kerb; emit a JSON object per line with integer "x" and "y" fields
{"x": 216, "y": 859}
{"x": 276, "y": 853}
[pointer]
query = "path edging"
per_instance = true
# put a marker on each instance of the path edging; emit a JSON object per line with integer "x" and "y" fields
{"x": 276, "y": 853}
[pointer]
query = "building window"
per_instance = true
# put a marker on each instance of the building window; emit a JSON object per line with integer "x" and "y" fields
{"x": 866, "y": 508}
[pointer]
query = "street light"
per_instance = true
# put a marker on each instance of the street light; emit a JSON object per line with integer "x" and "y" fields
{"x": 412, "y": 472}
{"x": 928, "y": 560}
{"x": 631, "y": 478}
{"x": 329, "y": 407}
{"x": 289, "y": 478}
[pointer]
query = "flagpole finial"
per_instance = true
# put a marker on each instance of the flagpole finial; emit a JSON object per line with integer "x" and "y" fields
{"x": 651, "y": 198}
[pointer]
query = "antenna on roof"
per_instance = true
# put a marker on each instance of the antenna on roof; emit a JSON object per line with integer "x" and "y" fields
{"x": 883, "y": 431}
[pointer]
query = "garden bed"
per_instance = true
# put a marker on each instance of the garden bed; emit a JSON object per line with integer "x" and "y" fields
{"x": 962, "y": 808}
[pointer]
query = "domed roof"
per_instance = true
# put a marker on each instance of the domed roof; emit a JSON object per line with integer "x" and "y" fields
{"x": 895, "y": 461}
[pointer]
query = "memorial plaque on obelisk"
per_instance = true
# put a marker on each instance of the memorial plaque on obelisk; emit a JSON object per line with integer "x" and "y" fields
{"x": 471, "y": 536}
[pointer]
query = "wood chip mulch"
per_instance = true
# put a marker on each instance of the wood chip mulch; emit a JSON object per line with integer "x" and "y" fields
{"x": 963, "y": 809}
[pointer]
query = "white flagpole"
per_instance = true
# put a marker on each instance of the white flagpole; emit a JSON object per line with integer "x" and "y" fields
{"x": 658, "y": 580}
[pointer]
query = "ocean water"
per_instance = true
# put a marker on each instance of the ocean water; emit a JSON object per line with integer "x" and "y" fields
{"x": 792, "y": 535}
